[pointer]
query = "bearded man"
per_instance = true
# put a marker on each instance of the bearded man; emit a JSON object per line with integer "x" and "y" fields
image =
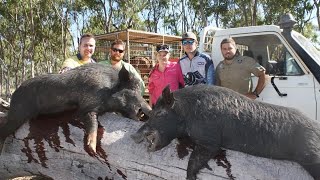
{"x": 234, "y": 72}
{"x": 116, "y": 53}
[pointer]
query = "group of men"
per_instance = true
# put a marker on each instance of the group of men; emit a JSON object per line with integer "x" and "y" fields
{"x": 86, "y": 50}
{"x": 233, "y": 72}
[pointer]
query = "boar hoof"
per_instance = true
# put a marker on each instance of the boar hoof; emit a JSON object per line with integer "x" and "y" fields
{"x": 92, "y": 141}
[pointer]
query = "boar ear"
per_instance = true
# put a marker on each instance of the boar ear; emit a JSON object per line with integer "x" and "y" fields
{"x": 124, "y": 75}
{"x": 168, "y": 96}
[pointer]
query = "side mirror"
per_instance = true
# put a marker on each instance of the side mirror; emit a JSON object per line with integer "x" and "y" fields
{"x": 275, "y": 68}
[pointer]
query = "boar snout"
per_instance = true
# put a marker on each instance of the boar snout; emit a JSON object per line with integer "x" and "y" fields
{"x": 137, "y": 137}
{"x": 146, "y": 108}
{"x": 140, "y": 134}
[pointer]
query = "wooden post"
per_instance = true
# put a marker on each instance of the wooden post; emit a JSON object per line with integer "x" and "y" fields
{"x": 128, "y": 45}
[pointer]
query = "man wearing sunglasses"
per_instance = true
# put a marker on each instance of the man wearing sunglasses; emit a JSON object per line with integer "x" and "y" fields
{"x": 86, "y": 49}
{"x": 116, "y": 53}
{"x": 197, "y": 68}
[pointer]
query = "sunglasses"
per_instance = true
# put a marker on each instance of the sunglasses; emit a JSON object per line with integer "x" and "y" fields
{"x": 185, "y": 42}
{"x": 117, "y": 50}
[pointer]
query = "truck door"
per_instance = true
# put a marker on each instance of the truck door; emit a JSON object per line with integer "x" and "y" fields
{"x": 289, "y": 83}
{"x": 289, "y": 86}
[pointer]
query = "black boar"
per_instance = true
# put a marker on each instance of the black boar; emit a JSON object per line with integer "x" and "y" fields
{"x": 92, "y": 89}
{"x": 215, "y": 117}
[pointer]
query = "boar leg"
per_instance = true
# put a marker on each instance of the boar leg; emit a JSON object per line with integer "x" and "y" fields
{"x": 91, "y": 127}
{"x": 17, "y": 115}
{"x": 314, "y": 170}
{"x": 199, "y": 159}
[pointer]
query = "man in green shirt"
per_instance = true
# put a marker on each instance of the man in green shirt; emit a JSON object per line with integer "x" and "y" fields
{"x": 116, "y": 61}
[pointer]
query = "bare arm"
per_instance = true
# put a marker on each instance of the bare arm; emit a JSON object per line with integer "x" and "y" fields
{"x": 261, "y": 82}
{"x": 260, "y": 86}
{"x": 217, "y": 79}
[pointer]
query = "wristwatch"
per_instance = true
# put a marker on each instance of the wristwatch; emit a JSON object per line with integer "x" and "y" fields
{"x": 255, "y": 93}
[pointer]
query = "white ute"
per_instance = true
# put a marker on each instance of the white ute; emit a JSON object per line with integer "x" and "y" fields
{"x": 290, "y": 59}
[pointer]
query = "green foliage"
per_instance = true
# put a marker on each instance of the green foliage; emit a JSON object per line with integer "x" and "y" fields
{"x": 310, "y": 33}
{"x": 30, "y": 35}
{"x": 127, "y": 14}
{"x": 154, "y": 11}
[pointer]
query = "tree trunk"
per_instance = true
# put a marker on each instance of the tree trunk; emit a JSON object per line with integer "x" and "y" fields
{"x": 316, "y": 4}
{"x": 203, "y": 16}
{"x": 254, "y": 12}
{"x": 55, "y": 149}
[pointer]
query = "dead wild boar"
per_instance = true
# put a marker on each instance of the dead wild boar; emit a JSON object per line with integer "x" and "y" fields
{"x": 92, "y": 89}
{"x": 215, "y": 117}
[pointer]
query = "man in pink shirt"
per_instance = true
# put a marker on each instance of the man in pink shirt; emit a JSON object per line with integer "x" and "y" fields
{"x": 165, "y": 72}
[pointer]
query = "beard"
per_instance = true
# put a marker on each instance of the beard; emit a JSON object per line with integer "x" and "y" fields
{"x": 228, "y": 56}
{"x": 116, "y": 58}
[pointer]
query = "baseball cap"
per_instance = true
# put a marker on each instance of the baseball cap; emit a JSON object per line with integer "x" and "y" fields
{"x": 163, "y": 47}
{"x": 189, "y": 35}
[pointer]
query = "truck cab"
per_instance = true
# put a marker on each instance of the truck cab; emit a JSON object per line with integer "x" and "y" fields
{"x": 291, "y": 61}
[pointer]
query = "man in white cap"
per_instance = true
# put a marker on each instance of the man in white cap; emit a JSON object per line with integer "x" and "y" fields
{"x": 197, "y": 68}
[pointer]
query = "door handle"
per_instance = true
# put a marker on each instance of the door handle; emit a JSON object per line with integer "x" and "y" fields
{"x": 275, "y": 86}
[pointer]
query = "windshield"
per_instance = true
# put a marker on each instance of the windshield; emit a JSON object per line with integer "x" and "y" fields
{"x": 307, "y": 46}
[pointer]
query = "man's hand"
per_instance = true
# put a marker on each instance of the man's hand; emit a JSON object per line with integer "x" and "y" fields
{"x": 251, "y": 95}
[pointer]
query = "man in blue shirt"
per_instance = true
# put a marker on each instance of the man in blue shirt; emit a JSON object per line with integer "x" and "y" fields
{"x": 197, "y": 68}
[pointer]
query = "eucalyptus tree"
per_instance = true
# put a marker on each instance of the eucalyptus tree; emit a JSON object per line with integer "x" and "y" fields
{"x": 249, "y": 9}
{"x": 216, "y": 10}
{"x": 17, "y": 38}
{"x": 173, "y": 18}
{"x": 191, "y": 15}
{"x": 155, "y": 11}
{"x": 127, "y": 14}
{"x": 30, "y": 34}
{"x": 203, "y": 10}
{"x": 303, "y": 13}
{"x": 300, "y": 9}
{"x": 237, "y": 13}
{"x": 316, "y": 5}
{"x": 101, "y": 13}
{"x": 273, "y": 9}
